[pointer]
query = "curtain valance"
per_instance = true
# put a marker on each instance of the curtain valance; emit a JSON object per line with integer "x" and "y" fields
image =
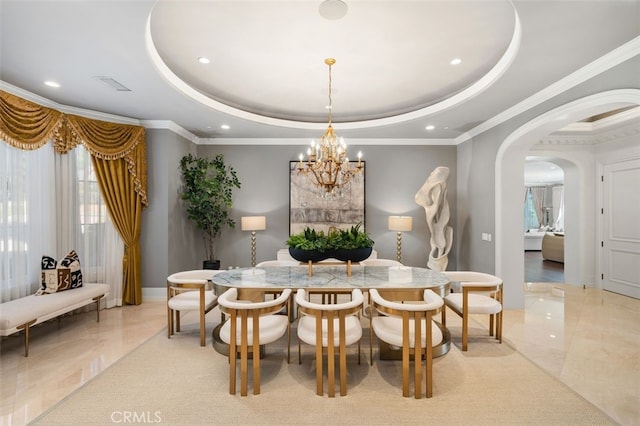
{"x": 118, "y": 153}
{"x": 27, "y": 125}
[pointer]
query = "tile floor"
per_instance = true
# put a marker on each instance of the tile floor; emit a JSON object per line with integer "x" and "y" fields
{"x": 587, "y": 338}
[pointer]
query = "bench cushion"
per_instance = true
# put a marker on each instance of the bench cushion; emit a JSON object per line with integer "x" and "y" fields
{"x": 44, "y": 307}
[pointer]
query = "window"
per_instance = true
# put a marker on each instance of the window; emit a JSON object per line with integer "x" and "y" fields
{"x": 530, "y": 218}
{"x": 51, "y": 204}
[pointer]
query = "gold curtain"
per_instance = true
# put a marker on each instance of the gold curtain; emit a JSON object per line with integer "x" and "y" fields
{"x": 118, "y": 152}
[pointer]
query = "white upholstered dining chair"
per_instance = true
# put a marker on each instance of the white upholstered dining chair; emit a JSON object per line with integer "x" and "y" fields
{"x": 266, "y": 263}
{"x": 333, "y": 326}
{"x": 190, "y": 291}
{"x": 248, "y": 326}
{"x": 380, "y": 262}
{"x": 475, "y": 293}
{"x": 409, "y": 326}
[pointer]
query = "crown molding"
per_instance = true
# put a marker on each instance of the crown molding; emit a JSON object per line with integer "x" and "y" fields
{"x": 173, "y": 127}
{"x": 618, "y": 133}
{"x": 67, "y": 109}
{"x": 565, "y": 140}
{"x": 592, "y": 139}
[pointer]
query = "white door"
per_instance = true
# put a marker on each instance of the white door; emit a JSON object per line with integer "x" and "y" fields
{"x": 621, "y": 228}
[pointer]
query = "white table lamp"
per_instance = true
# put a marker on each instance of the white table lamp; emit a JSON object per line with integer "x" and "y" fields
{"x": 400, "y": 224}
{"x": 253, "y": 224}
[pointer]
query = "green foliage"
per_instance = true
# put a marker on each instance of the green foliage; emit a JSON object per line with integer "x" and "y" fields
{"x": 352, "y": 238}
{"x": 310, "y": 239}
{"x": 207, "y": 190}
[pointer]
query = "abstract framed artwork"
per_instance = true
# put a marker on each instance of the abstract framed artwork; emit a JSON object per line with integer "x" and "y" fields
{"x": 309, "y": 208}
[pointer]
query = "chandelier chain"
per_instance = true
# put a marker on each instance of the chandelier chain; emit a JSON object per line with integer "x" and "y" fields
{"x": 330, "y": 100}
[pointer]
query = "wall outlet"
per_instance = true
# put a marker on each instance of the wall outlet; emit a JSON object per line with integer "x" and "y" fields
{"x": 486, "y": 236}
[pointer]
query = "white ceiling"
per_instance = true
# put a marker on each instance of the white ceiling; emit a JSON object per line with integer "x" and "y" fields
{"x": 267, "y": 77}
{"x": 540, "y": 172}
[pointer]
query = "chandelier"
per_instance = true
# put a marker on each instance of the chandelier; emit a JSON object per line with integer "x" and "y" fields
{"x": 327, "y": 164}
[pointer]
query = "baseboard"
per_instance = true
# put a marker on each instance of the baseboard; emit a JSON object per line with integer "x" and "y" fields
{"x": 154, "y": 293}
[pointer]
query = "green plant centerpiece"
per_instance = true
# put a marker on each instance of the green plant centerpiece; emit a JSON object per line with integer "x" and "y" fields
{"x": 343, "y": 244}
{"x": 208, "y": 185}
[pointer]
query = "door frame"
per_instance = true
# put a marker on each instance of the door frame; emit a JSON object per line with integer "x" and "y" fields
{"x": 509, "y": 179}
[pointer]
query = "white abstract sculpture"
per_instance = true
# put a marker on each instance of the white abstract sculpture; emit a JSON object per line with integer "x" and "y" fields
{"x": 433, "y": 197}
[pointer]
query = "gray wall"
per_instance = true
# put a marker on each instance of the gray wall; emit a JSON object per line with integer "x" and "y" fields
{"x": 391, "y": 182}
{"x": 170, "y": 243}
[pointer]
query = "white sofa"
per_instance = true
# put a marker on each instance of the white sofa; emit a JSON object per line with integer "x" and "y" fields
{"x": 533, "y": 240}
{"x": 21, "y": 314}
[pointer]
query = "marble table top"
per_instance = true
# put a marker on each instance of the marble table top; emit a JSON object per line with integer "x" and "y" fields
{"x": 331, "y": 277}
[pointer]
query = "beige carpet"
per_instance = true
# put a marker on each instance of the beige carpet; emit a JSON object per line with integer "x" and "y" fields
{"x": 176, "y": 382}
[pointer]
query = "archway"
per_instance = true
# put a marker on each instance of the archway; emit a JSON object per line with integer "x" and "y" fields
{"x": 509, "y": 180}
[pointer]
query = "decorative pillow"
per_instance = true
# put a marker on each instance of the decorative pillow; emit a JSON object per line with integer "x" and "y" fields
{"x": 59, "y": 276}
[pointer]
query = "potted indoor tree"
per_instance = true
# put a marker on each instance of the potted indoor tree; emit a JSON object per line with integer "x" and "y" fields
{"x": 207, "y": 189}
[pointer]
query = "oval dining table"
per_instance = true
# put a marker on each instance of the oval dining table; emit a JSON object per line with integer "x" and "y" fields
{"x": 404, "y": 282}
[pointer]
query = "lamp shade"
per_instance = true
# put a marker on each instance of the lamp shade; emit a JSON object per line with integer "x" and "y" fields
{"x": 253, "y": 223}
{"x": 400, "y": 223}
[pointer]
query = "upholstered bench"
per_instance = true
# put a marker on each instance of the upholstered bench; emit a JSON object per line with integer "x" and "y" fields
{"x": 20, "y": 314}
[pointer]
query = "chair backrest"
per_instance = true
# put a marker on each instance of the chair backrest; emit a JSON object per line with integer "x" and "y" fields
{"x": 380, "y": 262}
{"x": 432, "y": 302}
{"x": 196, "y": 276}
{"x": 478, "y": 280}
{"x": 228, "y": 302}
{"x": 278, "y": 263}
{"x": 351, "y": 307}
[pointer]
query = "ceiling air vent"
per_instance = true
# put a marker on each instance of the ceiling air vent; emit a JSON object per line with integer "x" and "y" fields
{"x": 114, "y": 84}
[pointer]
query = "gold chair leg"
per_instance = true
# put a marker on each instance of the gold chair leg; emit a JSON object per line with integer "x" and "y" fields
{"x": 255, "y": 355}
{"x": 465, "y": 330}
{"x": 429, "y": 357}
{"x": 417, "y": 356}
{"x": 405, "y": 360}
{"x": 491, "y": 324}
{"x": 331, "y": 370}
{"x": 244, "y": 357}
{"x": 319, "y": 386}
{"x": 343, "y": 369}
{"x": 203, "y": 333}
{"x": 331, "y": 359}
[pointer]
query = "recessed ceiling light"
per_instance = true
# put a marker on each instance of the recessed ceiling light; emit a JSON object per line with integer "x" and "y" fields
{"x": 203, "y": 60}
{"x": 456, "y": 61}
{"x": 52, "y": 83}
{"x": 225, "y": 127}
{"x": 430, "y": 127}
